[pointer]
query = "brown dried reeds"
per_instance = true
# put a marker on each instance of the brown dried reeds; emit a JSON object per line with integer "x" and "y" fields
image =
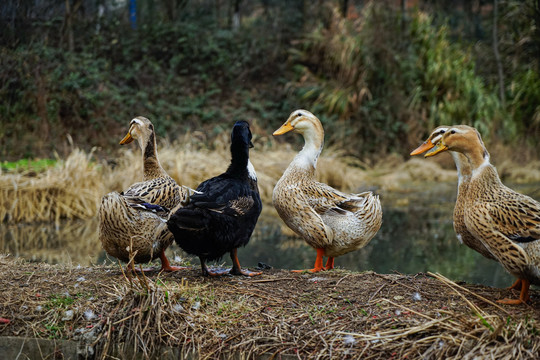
{"x": 73, "y": 188}
{"x": 70, "y": 190}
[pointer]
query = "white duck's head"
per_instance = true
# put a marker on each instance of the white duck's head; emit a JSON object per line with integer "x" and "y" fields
{"x": 302, "y": 122}
{"x": 306, "y": 124}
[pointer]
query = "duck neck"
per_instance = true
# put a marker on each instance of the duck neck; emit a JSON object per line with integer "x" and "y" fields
{"x": 483, "y": 174}
{"x": 151, "y": 165}
{"x": 463, "y": 167}
{"x": 307, "y": 158}
{"x": 239, "y": 160}
{"x": 478, "y": 158}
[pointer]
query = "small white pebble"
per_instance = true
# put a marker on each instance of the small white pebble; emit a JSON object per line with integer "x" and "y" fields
{"x": 68, "y": 315}
{"x": 397, "y": 312}
{"x": 81, "y": 279}
{"x": 178, "y": 308}
{"x": 89, "y": 315}
{"x": 196, "y": 305}
{"x": 39, "y": 308}
{"x": 349, "y": 340}
{"x": 417, "y": 297}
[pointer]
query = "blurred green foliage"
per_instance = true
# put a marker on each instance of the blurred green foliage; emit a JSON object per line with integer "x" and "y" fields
{"x": 378, "y": 78}
{"x": 382, "y": 82}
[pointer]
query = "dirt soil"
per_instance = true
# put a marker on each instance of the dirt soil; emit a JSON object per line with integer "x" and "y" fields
{"x": 328, "y": 315}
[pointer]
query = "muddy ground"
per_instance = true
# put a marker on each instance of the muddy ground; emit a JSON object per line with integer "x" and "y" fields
{"x": 329, "y": 315}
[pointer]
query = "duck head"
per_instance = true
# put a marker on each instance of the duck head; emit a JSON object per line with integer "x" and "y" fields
{"x": 140, "y": 129}
{"x": 460, "y": 138}
{"x": 465, "y": 140}
{"x": 241, "y": 134}
{"x": 302, "y": 122}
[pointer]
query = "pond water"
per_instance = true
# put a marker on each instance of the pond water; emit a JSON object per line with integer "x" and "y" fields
{"x": 416, "y": 236}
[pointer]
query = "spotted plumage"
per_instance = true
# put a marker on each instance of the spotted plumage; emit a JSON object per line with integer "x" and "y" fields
{"x": 464, "y": 177}
{"x": 332, "y": 222}
{"x": 125, "y": 230}
{"x": 133, "y": 223}
{"x": 506, "y": 222}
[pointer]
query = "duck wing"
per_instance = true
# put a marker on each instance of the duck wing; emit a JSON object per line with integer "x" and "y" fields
{"x": 162, "y": 191}
{"x": 301, "y": 207}
{"x": 140, "y": 204}
{"x": 323, "y": 198}
{"x": 508, "y": 225}
{"x": 327, "y": 199}
{"x": 517, "y": 217}
{"x": 225, "y": 195}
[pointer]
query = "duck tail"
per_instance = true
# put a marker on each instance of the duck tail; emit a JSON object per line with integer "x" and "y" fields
{"x": 186, "y": 219}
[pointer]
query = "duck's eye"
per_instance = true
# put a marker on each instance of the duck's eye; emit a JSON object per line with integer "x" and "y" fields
{"x": 441, "y": 132}
{"x": 151, "y": 127}
{"x": 453, "y": 132}
{"x": 299, "y": 114}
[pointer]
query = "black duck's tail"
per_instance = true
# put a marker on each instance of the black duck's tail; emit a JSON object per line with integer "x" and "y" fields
{"x": 186, "y": 219}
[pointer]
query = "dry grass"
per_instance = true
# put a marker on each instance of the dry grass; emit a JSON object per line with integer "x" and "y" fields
{"x": 73, "y": 189}
{"x": 336, "y": 314}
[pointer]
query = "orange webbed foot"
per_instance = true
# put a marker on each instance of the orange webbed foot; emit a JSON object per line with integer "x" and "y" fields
{"x": 166, "y": 266}
{"x": 318, "y": 263}
{"x": 524, "y": 297}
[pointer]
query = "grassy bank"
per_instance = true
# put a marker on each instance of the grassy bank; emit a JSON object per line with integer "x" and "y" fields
{"x": 72, "y": 188}
{"x": 336, "y": 314}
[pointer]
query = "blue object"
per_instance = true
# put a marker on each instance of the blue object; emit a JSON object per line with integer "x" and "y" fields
{"x": 133, "y": 13}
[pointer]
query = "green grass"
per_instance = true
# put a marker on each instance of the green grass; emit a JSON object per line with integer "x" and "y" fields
{"x": 62, "y": 301}
{"x": 37, "y": 165}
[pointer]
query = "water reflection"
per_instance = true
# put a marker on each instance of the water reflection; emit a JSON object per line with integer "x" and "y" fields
{"x": 417, "y": 236}
{"x": 73, "y": 242}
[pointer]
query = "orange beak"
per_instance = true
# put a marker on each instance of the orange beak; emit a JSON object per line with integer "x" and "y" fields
{"x": 285, "y": 128}
{"x": 127, "y": 139}
{"x": 427, "y": 145}
{"x": 440, "y": 147}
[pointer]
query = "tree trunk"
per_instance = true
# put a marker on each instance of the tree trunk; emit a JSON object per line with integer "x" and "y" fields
{"x": 69, "y": 26}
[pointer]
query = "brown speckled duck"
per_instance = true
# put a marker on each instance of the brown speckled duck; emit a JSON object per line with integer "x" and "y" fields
{"x": 506, "y": 222}
{"x": 332, "y": 222}
{"x": 464, "y": 177}
{"x": 136, "y": 219}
